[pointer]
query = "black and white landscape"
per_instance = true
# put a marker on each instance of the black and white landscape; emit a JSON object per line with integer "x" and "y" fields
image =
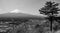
{"x": 29, "y": 16}
{"x": 11, "y": 21}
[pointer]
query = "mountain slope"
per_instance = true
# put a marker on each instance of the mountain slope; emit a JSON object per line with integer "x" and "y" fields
{"x": 19, "y": 15}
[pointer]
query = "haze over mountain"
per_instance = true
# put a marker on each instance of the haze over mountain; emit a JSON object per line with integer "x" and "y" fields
{"x": 21, "y": 15}
{"x": 18, "y": 13}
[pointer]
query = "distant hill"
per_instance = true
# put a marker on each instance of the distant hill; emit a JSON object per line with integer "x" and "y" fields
{"x": 19, "y": 15}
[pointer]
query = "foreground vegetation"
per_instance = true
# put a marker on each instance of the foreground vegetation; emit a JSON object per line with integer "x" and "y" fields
{"x": 27, "y": 26}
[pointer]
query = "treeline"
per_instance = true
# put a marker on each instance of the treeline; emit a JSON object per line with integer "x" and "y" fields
{"x": 13, "y": 19}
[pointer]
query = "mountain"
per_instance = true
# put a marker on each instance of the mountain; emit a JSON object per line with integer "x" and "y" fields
{"x": 19, "y": 15}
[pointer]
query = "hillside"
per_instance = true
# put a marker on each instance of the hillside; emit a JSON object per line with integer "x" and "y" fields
{"x": 19, "y": 15}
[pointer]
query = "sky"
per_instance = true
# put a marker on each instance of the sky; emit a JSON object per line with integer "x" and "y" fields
{"x": 22, "y": 6}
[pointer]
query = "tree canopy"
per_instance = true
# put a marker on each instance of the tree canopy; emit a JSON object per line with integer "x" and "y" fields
{"x": 50, "y": 8}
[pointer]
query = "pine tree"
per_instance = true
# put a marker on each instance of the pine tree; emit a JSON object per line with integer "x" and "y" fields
{"x": 51, "y": 10}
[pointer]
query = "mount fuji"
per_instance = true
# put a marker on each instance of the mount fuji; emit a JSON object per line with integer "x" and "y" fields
{"x": 17, "y": 14}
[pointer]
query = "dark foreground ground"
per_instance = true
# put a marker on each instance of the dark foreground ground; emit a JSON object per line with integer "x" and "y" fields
{"x": 27, "y": 26}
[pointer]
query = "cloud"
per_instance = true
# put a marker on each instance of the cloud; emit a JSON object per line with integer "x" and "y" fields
{"x": 15, "y": 11}
{"x": 21, "y": 11}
